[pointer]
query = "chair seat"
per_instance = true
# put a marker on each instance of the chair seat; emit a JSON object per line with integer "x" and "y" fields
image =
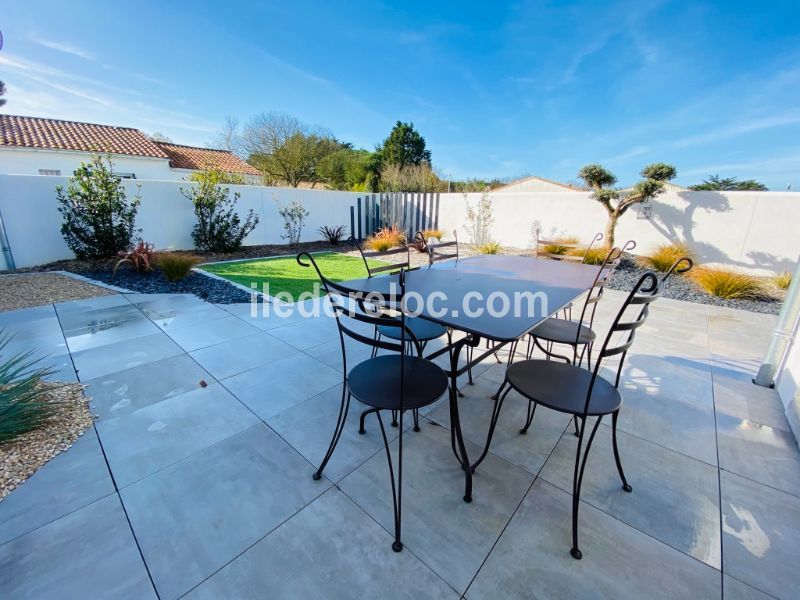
{"x": 562, "y": 387}
{"x": 562, "y": 331}
{"x": 376, "y": 382}
{"x": 423, "y": 329}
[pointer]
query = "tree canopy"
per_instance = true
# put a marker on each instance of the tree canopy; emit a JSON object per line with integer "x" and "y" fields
{"x": 404, "y": 146}
{"x": 616, "y": 202}
{"x": 715, "y": 183}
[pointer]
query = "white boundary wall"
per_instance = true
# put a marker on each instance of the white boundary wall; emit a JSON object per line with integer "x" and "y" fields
{"x": 753, "y": 230}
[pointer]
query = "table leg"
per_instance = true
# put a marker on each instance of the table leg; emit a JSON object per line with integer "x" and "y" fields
{"x": 455, "y": 422}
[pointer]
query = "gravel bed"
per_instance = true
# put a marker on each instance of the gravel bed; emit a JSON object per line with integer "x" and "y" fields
{"x": 214, "y": 290}
{"x": 22, "y": 457}
{"x": 681, "y": 288}
{"x": 36, "y": 289}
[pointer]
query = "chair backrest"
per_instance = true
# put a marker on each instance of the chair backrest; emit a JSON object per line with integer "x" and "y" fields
{"x": 646, "y": 290}
{"x": 395, "y": 258}
{"x": 595, "y": 293}
{"x": 597, "y": 237}
{"x": 353, "y": 309}
{"x": 438, "y": 251}
{"x": 682, "y": 265}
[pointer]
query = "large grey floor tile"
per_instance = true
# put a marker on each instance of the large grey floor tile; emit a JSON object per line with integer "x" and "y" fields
{"x": 97, "y": 318}
{"x": 154, "y": 437}
{"x": 331, "y": 549}
{"x": 529, "y": 451}
{"x": 681, "y": 423}
{"x": 532, "y": 558}
{"x": 308, "y": 427}
{"x": 745, "y": 400}
{"x": 330, "y": 353}
{"x": 673, "y": 376}
{"x": 125, "y": 391}
{"x": 307, "y": 333}
{"x": 35, "y": 327}
{"x": 193, "y": 336}
{"x": 40, "y": 346}
{"x": 90, "y": 553}
{"x": 197, "y": 515}
{"x": 90, "y": 305}
{"x": 97, "y": 362}
{"x": 61, "y": 367}
{"x": 174, "y": 317}
{"x": 11, "y": 318}
{"x": 761, "y": 536}
{"x": 769, "y": 456}
{"x": 109, "y": 333}
{"x": 73, "y": 479}
{"x": 675, "y": 498}
{"x": 733, "y": 589}
{"x": 242, "y": 354}
{"x": 272, "y": 388}
{"x": 449, "y": 535}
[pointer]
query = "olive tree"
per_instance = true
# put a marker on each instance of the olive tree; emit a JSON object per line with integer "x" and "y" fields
{"x": 617, "y": 202}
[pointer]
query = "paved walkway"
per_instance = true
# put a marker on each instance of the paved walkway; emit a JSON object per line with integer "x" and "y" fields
{"x": 206, "y": 491}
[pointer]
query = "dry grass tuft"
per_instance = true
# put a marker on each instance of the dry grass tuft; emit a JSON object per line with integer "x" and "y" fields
{"x": 488, "y": 248}
{"x": 560, "y": 245}
{"x": 386, "y": 239}
{"x": 783, "y": 280}
{"x": 176, "y": 265}
{"x": 664, "y": 256}
{"x": 593, "y": 256}
{"x": 728, "y": 284}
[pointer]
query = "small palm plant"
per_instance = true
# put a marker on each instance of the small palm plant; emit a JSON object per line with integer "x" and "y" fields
{"x": 22, "y": 407}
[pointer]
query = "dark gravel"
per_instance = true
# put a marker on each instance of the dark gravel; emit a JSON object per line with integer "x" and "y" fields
{"x": 211, "y": 290}
{"x": 680, "y": 288}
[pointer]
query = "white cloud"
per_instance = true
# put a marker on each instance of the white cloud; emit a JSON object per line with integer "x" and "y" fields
{"x": 64, "y": 48}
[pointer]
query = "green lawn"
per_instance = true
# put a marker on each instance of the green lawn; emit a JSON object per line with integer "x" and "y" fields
{"x": 284, "y": 274}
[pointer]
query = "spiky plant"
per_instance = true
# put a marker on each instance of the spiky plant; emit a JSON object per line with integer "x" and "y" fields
{"x": 22, "y": 407}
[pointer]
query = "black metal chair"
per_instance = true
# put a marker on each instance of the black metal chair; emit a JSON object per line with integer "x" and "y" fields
{"x": 576, "y": 334}
{"x": 424, "y": 330}
{"x": 570, "y": 389}
{"x": 438, "y": 251}
{"x": 396, "y": 382}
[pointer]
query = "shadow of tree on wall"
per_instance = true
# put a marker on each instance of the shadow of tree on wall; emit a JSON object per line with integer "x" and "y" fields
{"x": 678, "y": 225}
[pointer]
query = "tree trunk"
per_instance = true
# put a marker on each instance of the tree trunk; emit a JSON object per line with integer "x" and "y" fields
{"x": 610, "y": 227}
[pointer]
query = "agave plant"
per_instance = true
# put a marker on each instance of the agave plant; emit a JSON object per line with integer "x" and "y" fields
{"x": 21, "y": 405}
{"x": 140, "y": 256}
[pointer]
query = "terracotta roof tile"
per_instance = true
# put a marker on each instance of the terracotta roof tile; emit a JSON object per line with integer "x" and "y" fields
{"x": 190, "y": 157}
{"x": 54, "y": 134}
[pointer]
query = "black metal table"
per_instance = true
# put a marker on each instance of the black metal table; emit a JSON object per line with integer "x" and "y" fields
{"x": 561, "y": 282}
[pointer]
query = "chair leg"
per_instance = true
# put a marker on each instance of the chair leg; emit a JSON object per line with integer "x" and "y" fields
{"x": 415, "y": 414}
{"x": 397, "y": 489}
{"x": 577, "y": 480}
{"x": 575, "y": 422}
{"x": 364, "y": 414}
{"x": 625, "y": 485}
{"x": 469, "y": 369}
{"x": 376, "y": 337}
{"x": 498, "y": 404}
{"x": 394, "y": 418}
{"x": 529, "y": 419}
{"x": 337, "y": 432}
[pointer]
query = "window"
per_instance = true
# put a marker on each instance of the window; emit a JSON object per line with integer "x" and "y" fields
{"x": 49, "y": 171}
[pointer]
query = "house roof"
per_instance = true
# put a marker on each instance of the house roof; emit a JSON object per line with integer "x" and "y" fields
{"x": 536, "y": 178}
{"x": 54, "y": 134}
{"x": 191, "y": 157}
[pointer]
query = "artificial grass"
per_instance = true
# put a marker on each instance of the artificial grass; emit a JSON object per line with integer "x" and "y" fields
{"x": 283, "y": 274}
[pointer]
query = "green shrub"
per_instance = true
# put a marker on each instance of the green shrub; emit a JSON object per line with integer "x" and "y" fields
{"x": 727, "y": 284}
{"x": 783, "y": 280}
{"x": 488, "y": 248}
{"x": 219, "y": 227}
{"x": 22, "y": 408}
{"x": 333, "y": 235}
{"x": 98, "y": 220}
{"x": 664, "y": 256}
{"x": 176, "y": 265}
{"x": 294, "y": 217}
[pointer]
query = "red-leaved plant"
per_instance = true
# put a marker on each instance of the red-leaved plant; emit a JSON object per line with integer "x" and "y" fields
{"x": 140, "y": 256}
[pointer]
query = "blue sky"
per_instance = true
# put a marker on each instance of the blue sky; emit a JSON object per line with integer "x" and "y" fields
{"x": 497, "y": 89}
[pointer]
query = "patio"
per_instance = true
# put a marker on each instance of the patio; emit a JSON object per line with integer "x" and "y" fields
{"x": 206, "y": 491}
